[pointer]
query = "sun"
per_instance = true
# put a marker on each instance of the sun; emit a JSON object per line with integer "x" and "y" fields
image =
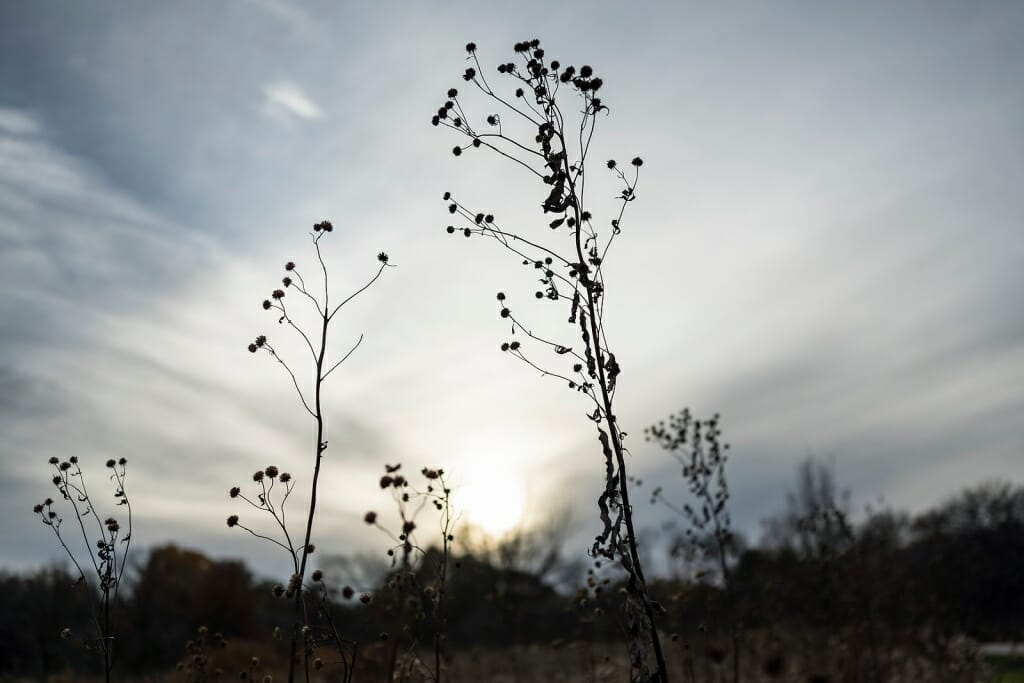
{"x": 491, "y": 498}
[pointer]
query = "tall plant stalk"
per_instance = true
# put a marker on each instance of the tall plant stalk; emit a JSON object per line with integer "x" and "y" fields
{"x": 697, "y": 446}
{"x": 106, "y": 553}
{"x": 321, "y": 370}
{"x": 553, "y": 145}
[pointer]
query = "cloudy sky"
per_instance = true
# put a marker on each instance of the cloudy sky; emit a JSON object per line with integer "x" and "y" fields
{"x": 828, "y": 250}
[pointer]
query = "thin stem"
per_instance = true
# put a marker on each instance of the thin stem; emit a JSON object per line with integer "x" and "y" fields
{"x": 345, "y": 357}
{"x": 291, "y": 374}
{"x": 357, "y": 292}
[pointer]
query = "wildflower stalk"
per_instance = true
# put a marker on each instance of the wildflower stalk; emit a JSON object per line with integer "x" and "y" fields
{"x": 108, "y": 554}
{"x": 319, "y": 353}
{"x": 411, "y": 557}
{"x": 558, "y": 158}
{"x": 696, "y": 445}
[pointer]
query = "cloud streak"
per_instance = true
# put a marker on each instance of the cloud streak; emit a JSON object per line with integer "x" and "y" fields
{"x": 287, "y": 98}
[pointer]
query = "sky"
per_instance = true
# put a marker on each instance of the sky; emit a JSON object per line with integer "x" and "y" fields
{"x": 826, "y": 249}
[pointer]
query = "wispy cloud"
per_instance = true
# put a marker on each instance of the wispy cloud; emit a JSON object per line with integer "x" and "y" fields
{"x": 286, "y": 98}
{"x": 290, "y": 13}
{"x": 14, "y": 122}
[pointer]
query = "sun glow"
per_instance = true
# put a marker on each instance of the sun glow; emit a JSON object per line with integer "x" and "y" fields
{"x": 491, "y": 498}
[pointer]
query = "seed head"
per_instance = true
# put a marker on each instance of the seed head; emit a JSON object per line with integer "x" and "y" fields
{"x": 232, "y": 520}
